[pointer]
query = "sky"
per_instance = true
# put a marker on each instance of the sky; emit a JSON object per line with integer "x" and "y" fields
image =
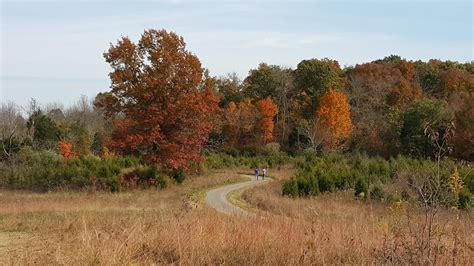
{"x": 53, "y": 50}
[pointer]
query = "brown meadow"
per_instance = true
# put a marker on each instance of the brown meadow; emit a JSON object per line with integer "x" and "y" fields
{"x": 172, "y": 226}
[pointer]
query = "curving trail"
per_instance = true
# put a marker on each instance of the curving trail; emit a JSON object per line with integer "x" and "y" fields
{"x": 217, "y": 198}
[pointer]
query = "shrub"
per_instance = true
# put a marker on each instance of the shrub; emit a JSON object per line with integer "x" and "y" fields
{"x": 104, "y": 172}
{"x": 47, "y": 170}
{"x": 290, "y": 188}
{"x": 377, "y": 193}
{"x": 356, "y": 171}
{"x": 144, "y": 177}
{"x": 128, "y": 161}
{"x": 248, "y": 151}
{"x": 405, "y": 195}
{"x": 361, "y": 188}
{"x": 232, "y": 152}
{"x": 254, "y": 164}
{"x": 326, "y": 183}
{"x": 301, "y": 186}
{"x": 114, "y": 184}
{"x": 392, "y": 198}
{"x": 130, "y": 180}
{"x": 9, "y": 147}
{"x": 161, "y": 180}
{"x": 272, "y": 148}
{"x": 147, "y": 173}
{"x": 464, "y": 201}
{"x": 304, "y": 186}
{"x": 314, "y": 184}
{"x": 178, "y": 175}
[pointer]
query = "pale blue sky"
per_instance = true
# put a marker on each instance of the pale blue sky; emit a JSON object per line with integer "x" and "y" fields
{"x": 52, "y": 50}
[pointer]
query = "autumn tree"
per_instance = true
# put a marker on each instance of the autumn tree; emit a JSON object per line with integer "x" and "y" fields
{"x": 247, "y": 121}
{"x": 284, "y": 94}
{"x": 441, "y": 78}
{"x": 78, "y": 135}
{"x": 407, "y": 89}
{"x": 275, "y": 82}
{"x": 455, "y": 80}
{"x": 231, "y": 124}
{"x": 404, "y": 93}
{"x": 315, "y": 77}
{"x": 248, "y": 124}
{"x": 376, "y": 91}
{"x": 267, "y": 110}
{"x": 462, "y": 104}
{"x": 239, "y": 124}
{"x": 334, "y": 116}
{"x": 161, "y": 105}
{"x": 368, "y": 88}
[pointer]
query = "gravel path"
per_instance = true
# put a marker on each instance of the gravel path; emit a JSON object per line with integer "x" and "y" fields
{"x": 217, "y": 198}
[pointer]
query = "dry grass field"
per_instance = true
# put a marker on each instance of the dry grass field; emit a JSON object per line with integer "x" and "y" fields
{"x": 347, "y": 230}
{"x": 173, "y": 226}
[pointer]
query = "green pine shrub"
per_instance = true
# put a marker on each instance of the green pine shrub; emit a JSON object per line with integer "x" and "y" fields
{"x": 361, "y": 188}
{"x": 290, "y": 188}
{"x": 358, "y": 171}
{"x": 178, "y": 175}
{"x": 377, "y": 193}
{"x": 47, "y": 170}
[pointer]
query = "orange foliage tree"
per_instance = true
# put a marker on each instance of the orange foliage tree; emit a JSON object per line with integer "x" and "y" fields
{"x": 161, "y": 102}
{"x": 231, "y": 127}
{"x": 240, "y": 123}
{"x": 66, "y": 150}
{"x": 249, "y": 124}
{"x": 462, "y": 104}
{"x": 454, "y": 80}
{"x": 267, "y": 111}
{"x": 404, "y": 93}
{"x": 247, "y": 121}
{"x": 334, "y": 116}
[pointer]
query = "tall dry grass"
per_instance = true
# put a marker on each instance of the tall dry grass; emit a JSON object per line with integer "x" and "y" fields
{"x": 166, "y": 226}
{"x": 189, "y": 237}
{"x": 382, "y": 231}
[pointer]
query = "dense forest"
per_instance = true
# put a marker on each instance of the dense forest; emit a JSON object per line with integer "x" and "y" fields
{"x": 165, "y": 110}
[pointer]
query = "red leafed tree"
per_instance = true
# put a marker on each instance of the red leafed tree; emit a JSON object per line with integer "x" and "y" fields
{"x": 335, "y": 117}
{"x": 66, "y": 150}
{"x": 161, "y": 102}
{"x": 267, "y": 110}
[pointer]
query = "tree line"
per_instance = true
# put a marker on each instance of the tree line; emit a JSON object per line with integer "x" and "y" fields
{"x": 164, "y": 107}
{"x": 380, "y": 107}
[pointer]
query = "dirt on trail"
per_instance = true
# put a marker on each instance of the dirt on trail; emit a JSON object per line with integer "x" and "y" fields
{"x": 217, "y": 198}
